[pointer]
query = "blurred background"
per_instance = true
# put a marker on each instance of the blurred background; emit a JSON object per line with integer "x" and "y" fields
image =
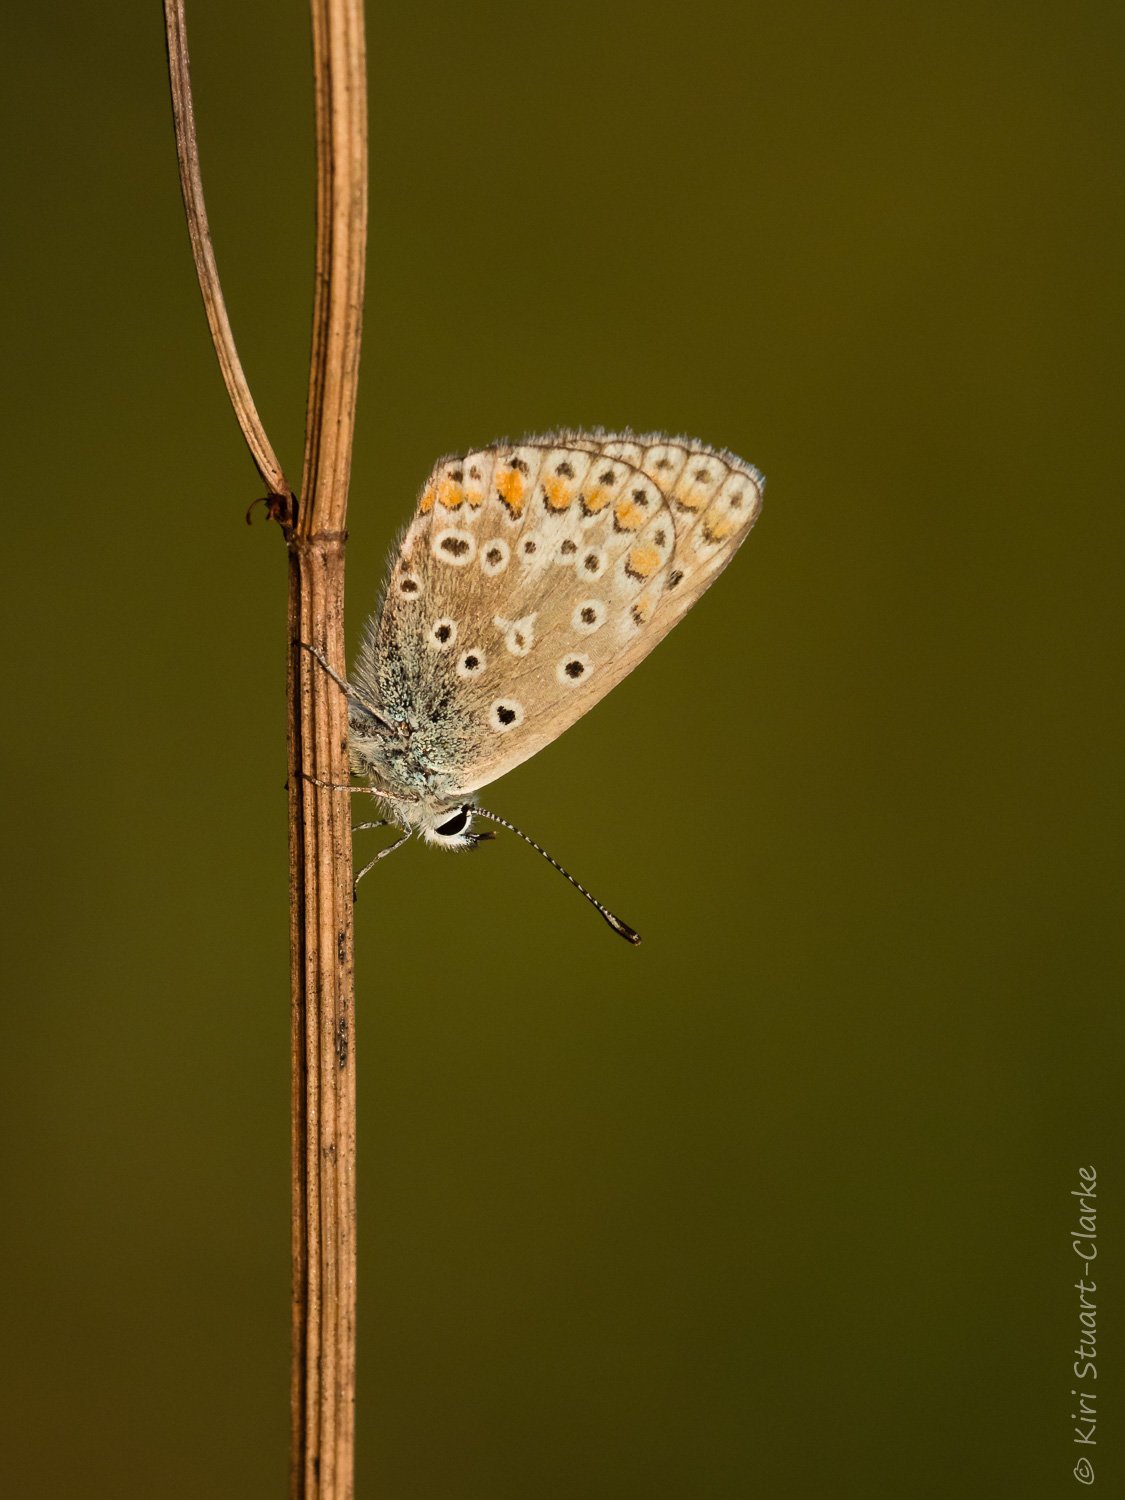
{"x": 780, "y": 1202}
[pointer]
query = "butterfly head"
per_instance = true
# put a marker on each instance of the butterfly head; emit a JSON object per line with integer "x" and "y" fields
{"x": 451, "y": 828}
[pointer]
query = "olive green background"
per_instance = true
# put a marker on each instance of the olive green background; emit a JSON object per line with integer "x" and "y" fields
{"x": 778, "y": 1203}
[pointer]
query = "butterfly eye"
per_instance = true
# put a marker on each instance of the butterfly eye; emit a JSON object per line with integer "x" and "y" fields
{"x": 456, "y": 824}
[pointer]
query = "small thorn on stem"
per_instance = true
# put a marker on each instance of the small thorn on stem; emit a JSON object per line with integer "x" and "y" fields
{"x": 279, "y": 508}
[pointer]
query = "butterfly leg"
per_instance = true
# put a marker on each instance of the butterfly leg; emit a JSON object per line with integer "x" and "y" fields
{"x": 336, "y": 786}
{"x": 382, "y": 854}
{"x": 370, "y": 788}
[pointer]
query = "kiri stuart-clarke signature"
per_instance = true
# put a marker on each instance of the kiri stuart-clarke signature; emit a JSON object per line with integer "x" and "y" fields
{"x": 1084, "y": 1243}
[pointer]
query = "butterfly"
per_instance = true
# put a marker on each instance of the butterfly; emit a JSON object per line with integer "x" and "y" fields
{"x": 533, "y": 577}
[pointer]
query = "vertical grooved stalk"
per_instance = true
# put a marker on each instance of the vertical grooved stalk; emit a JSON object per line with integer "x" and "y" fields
{"x": 323, "y": 1389}
{"x": 322, "y": 1025}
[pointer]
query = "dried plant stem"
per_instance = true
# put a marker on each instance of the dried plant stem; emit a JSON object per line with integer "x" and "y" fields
{"x": 323, "y": 1042}
{"x": 322, "y": 1014}
{"x": 187, "y": 150}
{"x": 324, "y": 1208}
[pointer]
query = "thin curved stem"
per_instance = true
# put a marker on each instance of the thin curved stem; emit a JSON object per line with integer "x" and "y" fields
{"x": 340, "y": 75}
{"x": 191, "y": 185}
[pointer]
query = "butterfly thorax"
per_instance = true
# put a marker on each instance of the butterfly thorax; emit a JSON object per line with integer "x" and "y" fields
{"x": 415, "y": 752}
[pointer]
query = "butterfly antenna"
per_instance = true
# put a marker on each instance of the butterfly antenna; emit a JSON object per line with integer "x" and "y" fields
{"x": 621, "y": 928}
{"x": 345, "y": 687}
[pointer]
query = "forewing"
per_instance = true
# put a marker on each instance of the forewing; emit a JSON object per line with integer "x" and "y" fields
{"x": 536, "y": 576}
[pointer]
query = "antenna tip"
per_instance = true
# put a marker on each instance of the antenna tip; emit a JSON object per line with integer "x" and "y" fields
{"x": 624, "y": 930}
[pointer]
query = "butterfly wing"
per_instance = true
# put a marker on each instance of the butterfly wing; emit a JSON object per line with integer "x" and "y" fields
{"x": 535, "y": 576}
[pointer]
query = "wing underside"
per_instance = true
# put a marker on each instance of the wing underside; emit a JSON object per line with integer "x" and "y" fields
{"x": 535, "y": 576}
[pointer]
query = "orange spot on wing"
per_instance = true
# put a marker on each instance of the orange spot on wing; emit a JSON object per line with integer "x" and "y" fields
{"x": 509, "y": 486}
{"x": 427, "y": 502}
{"x": 450, "y": 494}
{"x": 718, "y": 531}
{"x": 642, "y": 562}
{"x": 557, "y": 493}
{"x": 596, "y": 500}
{"x": 628, "y": 515}
{"x": 691, "y": 497}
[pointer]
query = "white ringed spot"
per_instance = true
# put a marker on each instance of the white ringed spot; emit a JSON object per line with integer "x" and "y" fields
{"x": 441, "y": 634}
{"x": 505, "y": 714}
{"x": 494, "y": 557}
{"x": 573, "y": 668}
{"x": 519, "y": 635}
{"x": 454, "y": 546}
{"x": 588, "y": 616}
{"x": 471, "y": 663}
